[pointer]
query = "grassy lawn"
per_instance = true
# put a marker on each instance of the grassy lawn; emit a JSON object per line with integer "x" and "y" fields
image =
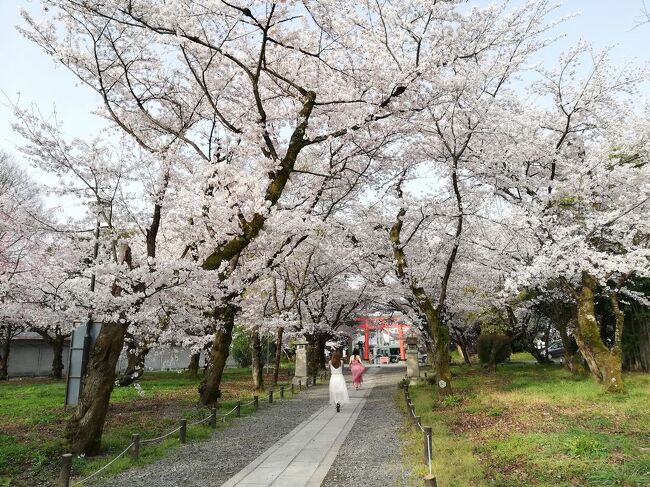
{"x": 528, "y": 424}
{"x": 32, "y": 422}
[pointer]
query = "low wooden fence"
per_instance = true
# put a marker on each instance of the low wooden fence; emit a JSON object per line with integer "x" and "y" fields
{"x": 427, "y": 449}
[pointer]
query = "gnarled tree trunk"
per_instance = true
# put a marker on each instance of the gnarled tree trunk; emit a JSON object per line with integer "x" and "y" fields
{"x": 136, "y": 357}
{"x": 256, "y": 359}
{"x": 85, "y": 428}
{"x": 604, "y": 364}
{"x": 461, "y": 344}
{"x": 193, "y": 367}
{"x": 209, "y": 389}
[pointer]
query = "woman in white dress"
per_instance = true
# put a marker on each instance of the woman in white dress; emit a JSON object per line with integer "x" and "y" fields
{"x": 338, "y": 388}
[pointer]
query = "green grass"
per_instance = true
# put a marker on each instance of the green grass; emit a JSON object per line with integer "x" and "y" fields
{"x": 32, "y": 422}
{"x": 534, "y": 425}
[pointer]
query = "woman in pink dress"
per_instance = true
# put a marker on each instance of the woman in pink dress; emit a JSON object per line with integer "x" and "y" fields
{"x": 357, "y": 369}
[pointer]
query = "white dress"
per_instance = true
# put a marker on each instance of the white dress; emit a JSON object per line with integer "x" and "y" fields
{"x": 338, "y": 388}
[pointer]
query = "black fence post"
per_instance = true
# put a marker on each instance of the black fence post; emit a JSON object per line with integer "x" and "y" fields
{"x": 213, "y": 417}
{"x": 135, "y": 449}
{"x": 256, "y": 402}
{"x": 66, "y": 468}
{"x": 300, "y": 385}
{"x": 281, "y": 392}
{"x": 182, "y": 432}
{"x": 238, "y": 410}
{"x": 271, "y": 396}
{"x": 292, "y": 389}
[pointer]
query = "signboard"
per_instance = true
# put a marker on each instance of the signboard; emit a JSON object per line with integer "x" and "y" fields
{"x": 81, "y": 343}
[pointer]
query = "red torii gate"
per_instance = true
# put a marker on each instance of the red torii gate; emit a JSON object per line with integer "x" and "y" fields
{"x": 367, "y": 323}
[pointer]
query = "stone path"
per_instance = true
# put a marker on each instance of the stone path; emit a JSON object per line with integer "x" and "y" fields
{"x": 305, "y": 456}
{"x": 300, "y": 442}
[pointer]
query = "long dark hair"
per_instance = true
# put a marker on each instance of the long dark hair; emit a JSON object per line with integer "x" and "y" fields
{"x": 336, "y": 360}
{"x": 355, "y": 352}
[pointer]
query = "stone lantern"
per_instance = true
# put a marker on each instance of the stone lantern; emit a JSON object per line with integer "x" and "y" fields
{"x": 412, "y": 364}
{"x": 300, "y": 373}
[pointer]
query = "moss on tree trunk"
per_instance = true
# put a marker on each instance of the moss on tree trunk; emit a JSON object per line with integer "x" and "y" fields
{"x": 85, "y": 428}
{"x": 604, "y": 364}
{"x": 209, "y": 389}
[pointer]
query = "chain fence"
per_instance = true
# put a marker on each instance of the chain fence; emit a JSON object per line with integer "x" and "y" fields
{"x": 181, "y": 430}
{"x": 430, "y": 479}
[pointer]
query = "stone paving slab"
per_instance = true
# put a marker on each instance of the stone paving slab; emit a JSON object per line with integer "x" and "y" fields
{"x": 304, "y": 456}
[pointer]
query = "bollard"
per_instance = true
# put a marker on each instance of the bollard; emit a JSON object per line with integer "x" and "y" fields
{"x": 256, "y": 402}
{"x": 271, "y": 396}
{"x": 66, "y": 468}
{"x": 428, "y": 448}
{"x": 238, "y": 410}
{"x": 430, "y": 481}
{"x": 281, "y": 392}
{"x": 182, "y": 432}
{"x": 135, "y": 449}
{"x": 213, "y": 417}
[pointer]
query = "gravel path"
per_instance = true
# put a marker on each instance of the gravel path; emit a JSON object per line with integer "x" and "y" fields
{"x": 210, "y": 463}
{"x": 371, "y": 454}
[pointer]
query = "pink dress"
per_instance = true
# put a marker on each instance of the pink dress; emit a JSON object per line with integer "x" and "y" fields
{"x": 357, "y": 369}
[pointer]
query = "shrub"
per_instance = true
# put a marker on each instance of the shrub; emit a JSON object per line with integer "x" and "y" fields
{"x": 241, "y": 347}
{"x": 488, "y": 341}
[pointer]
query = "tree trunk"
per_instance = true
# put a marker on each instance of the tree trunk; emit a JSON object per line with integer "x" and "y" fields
{"x": 193, "y": 367}
{"x": 135, "y": 365}
{"x": 209, "y": 390}
{"x": 57, "y": 359}
{"x": 571, "y": 357}
{"x": 636, "y": 340}
{"x": 321, "y": 340}
{"x": 604, "y": 364}
{"x": 278, "y": 355}
{"x": 256, "y": 359}
{"x": 85, "y": 428}
{"x": 440, "y": 336}
{"x": 5, "y": 348}
{"x": 461, "y": 345}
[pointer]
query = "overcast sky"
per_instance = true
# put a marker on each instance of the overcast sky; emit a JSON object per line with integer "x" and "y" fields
{"x": 29, "y": 74}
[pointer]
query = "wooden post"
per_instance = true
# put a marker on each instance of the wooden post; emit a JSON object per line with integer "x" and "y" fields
{"x": 66, "y": 468}
{"x": 430, "y": 481}
{"x": 417, "y": 420}
{"x": 271, "y": 396}
{"x": 256, "y": 402}
{"x": 281, "y": 392}
{"x": 135, "y": 449}
{"x": 213, "y": 417}
{"x": 292, "y": 393}
{"x": 427, "y": 444}
{"x": 300, "y": 385}
{"x": 314, "y": 383}
{"x": 182, "y": 432}
{"x": 238, "y": 410}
